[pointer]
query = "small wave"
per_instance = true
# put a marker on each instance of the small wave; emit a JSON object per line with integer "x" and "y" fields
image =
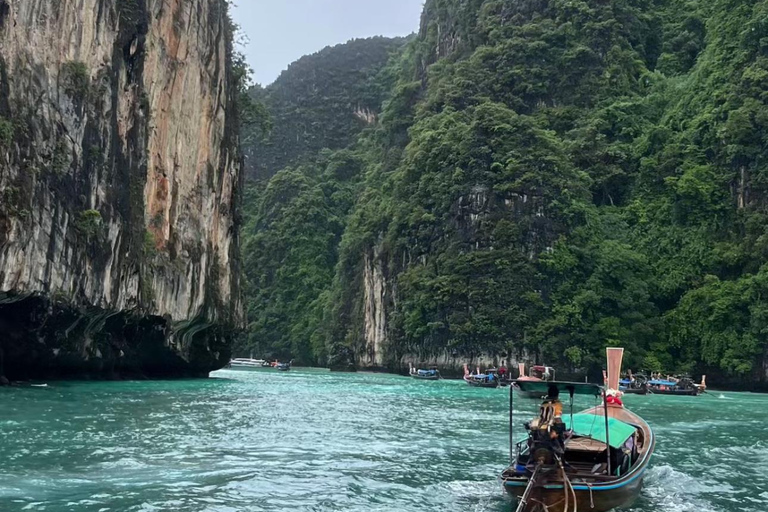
{"x": 674, "y": 491}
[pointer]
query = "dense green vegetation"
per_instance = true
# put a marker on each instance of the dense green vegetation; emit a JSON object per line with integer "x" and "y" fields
{"x": 546, "y": 178}
{"x": 321, "y": 101}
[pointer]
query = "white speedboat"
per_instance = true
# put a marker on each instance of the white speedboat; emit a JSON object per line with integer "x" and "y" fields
{"x": 248, "y": 364}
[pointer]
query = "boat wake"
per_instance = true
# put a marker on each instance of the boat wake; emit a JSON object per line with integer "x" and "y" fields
{"x": 671, "y": 490}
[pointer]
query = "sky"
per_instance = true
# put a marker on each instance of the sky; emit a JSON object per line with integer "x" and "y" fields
{"x": 282, "y": 31}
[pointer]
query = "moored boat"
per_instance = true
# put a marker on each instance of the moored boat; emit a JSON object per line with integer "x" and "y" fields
{"x": 634, "y": 384}
{"x": 489, "y": 379}
{"x": 592, "y": 461}
{"x": 247, "y": 364}
{"x": 419, "y": 374}
{"x": 283, "y": 367}
{"x": 537, "y": 374}
{"x": 677, "y": 387}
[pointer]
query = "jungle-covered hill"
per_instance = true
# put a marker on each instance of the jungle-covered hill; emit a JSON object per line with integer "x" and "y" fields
{"x": 546, "y": 178}
{"x": 321, "y": 101}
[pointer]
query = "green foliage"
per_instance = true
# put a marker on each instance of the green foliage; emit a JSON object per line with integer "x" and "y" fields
{"x": 320, "y": 101}
{"x": 546, "y": 178}
{"x": 290, "y": 251}
{"x": 6, "y": 132}
{"x": 90, "y": 224}
{"x": 76, "y": 80}
{"x": 150, "y": 244}
{"x": 255, "y": 119}
{"x": 60, "y": 160}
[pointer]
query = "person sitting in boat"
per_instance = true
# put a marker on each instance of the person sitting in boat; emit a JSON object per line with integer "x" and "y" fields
{"x": 549, "y": 428}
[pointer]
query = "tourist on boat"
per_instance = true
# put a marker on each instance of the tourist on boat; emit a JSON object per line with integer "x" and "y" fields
{"x": 502, "y": 372}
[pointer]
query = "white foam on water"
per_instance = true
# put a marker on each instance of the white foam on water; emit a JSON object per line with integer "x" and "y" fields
{"x": 671, "y": 490}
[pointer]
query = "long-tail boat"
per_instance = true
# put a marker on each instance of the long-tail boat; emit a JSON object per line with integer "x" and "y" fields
{"x": 489, "y": 379}
{"x": 593, "y": 461}
{"x": 537, "y": 374}
{"x": 634, "y": 384}
{"x": 678, "y": 387}
{"x": 419, "y": 374}
{"x": 284, "y": 367}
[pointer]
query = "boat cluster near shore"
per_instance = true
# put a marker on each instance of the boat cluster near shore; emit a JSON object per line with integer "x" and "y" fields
{"x": 593, "y": 460}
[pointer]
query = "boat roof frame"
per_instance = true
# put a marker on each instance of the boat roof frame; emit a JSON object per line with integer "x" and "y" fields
{"x": 569, "y": 388}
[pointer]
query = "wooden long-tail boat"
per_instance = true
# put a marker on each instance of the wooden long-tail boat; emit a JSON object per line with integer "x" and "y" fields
{"x": 419, "y": 374}
{"x": 489, "y": 379}
{"x": 283, "y": 367}
{"x": 682, "y": 387}
{"x": 537, "y": 374}
{"x": 634, "y": 384}
{"x": 593, "y": 461}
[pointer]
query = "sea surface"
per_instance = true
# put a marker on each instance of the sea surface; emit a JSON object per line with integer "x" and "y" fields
{"x": 311, "y": 440}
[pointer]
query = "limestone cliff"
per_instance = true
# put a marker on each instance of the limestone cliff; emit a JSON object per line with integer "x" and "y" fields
{"x": 119, "y": 183}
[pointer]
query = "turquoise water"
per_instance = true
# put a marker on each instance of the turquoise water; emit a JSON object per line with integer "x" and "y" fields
{"x": 317, "y": 441}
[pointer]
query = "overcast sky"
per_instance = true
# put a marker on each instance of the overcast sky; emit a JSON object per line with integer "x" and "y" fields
{"x": 282, "y": 31}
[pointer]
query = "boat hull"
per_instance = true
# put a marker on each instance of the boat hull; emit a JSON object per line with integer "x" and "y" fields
{"x": 635, "y": 391}
{"x": 600, "y": 498}
{"x": 528, "y": 394}
{"x": 418, "y": 377}
{"x": 247, "y": 368}
{"x": 478, "y": 384}
{"x": 676, "y": 392}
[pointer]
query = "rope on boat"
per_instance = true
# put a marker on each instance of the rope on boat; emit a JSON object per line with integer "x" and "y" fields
{"x": 528, "y": 490}
{"x": 591, "y": 498}
{"x": 544, "y": 505}
{"x": 568, "y": 490}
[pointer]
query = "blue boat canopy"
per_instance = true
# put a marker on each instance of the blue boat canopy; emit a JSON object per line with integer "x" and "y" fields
{"x": 593, "y": 426}
{"x": 565, "y": 388}
{"x": 662, "y": 383}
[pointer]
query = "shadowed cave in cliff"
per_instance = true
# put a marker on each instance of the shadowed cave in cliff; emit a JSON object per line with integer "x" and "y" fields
{"x": 45, "y": 339}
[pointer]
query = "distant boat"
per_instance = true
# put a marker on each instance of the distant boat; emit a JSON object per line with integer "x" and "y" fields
{"x": 489, "y": 379}
{"x": 591, "y": 461}
{"x": 248, "y": 364}
{"x": 634, "y": 384}
{"x": 283, "y": 367}
{"x": 431, "y": 374}
{"x": 537, "y": 374}
{"x": 681, "y": 387}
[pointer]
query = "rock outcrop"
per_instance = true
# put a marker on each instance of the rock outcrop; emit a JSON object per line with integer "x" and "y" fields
{"x": 119, "y": 188}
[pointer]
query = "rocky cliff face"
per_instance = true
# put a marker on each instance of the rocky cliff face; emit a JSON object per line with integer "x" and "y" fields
{"x": 120, "y": 178}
